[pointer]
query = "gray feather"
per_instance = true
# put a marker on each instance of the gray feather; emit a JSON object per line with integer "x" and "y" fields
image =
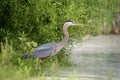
{"x": 43, "y": 50}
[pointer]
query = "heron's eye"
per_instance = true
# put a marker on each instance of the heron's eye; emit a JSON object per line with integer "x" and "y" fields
{"x": 69, "y": 23}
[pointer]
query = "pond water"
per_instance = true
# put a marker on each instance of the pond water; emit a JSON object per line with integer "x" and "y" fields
{"x": 96, "y": 59}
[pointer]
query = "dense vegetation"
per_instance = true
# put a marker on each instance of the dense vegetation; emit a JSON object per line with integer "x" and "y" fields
{"x": 25, "y": 24}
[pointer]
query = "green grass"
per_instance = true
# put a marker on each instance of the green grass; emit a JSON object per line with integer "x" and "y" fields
{"x": 26, "y": 24}
{"x": 12, "y": 64}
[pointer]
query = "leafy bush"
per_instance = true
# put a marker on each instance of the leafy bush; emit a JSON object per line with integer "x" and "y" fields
{"x": 41, "y": 20}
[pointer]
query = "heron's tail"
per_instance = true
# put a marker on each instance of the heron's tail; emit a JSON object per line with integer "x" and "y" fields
{"x": 25, "y": 56}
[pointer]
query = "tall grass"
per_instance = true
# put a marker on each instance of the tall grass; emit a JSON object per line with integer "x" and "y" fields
{"x": 25, "y": 24}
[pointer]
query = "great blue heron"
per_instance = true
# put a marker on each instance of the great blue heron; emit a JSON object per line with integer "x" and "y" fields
{"x": 47, "y": 50}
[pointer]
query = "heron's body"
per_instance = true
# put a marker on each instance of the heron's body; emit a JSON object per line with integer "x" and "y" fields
{"x": 44, "y": 51}
{"x": 47, "y": 50}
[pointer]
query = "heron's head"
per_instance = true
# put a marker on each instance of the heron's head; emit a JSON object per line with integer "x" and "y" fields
{"x": 71, "y": 23}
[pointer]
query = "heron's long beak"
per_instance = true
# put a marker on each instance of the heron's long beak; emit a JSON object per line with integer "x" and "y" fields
{"x": 79, "y": 24}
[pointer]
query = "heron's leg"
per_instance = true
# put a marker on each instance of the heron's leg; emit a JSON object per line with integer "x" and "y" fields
{"x": 42, "y": 60}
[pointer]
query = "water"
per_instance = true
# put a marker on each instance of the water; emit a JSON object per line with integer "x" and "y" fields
{"x": 96, "y": 59}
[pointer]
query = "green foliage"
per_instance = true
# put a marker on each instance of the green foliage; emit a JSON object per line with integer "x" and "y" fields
{"x": 12, "y": 64}
{"x": 25, "y": 24}
{"x": 6, "y": 51}
{"x": 41, "y": 20}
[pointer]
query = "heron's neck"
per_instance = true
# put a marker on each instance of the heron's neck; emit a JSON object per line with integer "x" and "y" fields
{"x": 66, "y": 36}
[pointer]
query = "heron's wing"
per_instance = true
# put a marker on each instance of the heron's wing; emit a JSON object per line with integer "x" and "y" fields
{"x": 43, "y": 50}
